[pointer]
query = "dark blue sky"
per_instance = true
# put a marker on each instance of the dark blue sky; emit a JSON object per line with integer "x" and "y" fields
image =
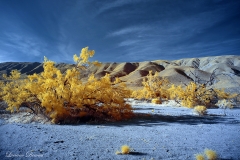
{"x": 118, "y": 30}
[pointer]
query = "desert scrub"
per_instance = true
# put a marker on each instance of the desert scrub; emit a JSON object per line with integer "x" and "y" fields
{"x": 125, "y": 149}
{"x": 156, "y": 101}
{"x": 201, "y": 110}
{"x": 210, "y": 154}
{"x": 1, "y": 90}
{"x": 197, "y": 92}
{"x": 199, "y": 156}
{"x": 64, "y": 98}
{"x": 153, "y": 87}
{"x": 193, "y": 94}
{"x": 224, "y": 103}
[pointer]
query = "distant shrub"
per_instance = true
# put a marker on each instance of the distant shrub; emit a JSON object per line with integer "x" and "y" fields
{"x": 125, "y": 149}
{"x": 192, "y": 94}
{"x": 210, "y": 154}
{"x": 224, "y": 95}
{"x": 153, "y": 87}
{"x": 1, "y": 90}
{"x": 197, "y": 92}
{"x": 223, "y": 103}
{"x": 201, "y": 110}
{"x": 199, "y": 156}
{"x": 156, "y": 101}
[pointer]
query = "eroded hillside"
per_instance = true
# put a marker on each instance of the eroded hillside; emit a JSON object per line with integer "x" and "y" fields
{"x": 227, "y": 69}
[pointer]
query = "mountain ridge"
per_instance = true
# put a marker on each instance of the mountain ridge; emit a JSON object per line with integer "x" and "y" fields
{"x": 177, "y": 71}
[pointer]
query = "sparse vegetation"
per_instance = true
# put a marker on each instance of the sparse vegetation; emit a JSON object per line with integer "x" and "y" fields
{"x": 153, "y": 87}
{"x": 199, "y": 156}
{"x": 156, "y": 101}
{"x": 201, "y": 110}
{"x": 1, "y": 90}
{"x": 197, "y": 92}
{"x": 125, "y": 149}
{"x": 210, "y": 154}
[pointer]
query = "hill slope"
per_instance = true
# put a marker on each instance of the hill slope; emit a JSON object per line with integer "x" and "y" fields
{"x": 178, "y": 71}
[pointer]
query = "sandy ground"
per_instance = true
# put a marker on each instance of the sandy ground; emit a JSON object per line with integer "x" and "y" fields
{"x": 166, "y": 133}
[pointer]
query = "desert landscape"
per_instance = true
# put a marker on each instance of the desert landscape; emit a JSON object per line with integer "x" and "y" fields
{"x": 119, "y": 80}
{"x": 158, "y": 131}
{"x": 177, "y": 71}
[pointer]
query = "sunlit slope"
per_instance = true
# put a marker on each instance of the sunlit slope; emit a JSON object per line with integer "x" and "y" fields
{"x": 227, "y": 69}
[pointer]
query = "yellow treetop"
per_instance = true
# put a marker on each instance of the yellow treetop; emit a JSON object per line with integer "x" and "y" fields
{"x": 84, "y": 56}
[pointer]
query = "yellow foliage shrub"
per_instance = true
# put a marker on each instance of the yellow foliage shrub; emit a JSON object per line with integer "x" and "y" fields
{"x": 210, "y": 154}
{"x": 225, "y": 100}
{"x": 153, "y": 87}
{"x": 63, "y": 97}
{"x": 82, "y": 61}
{"x": 224, "y": 103}
{"x": 1, "y": 90}
{"x": 156, "y": 101}
{"x": 13, "y": 92}
{"x": 201, "y": 110}
{"x": 195, "y": 94}
{"x": 125, "y": 149}
{"x": 199, "y": 156}
{"x": 224, "y": 95}
{"x": 191, "y": 95}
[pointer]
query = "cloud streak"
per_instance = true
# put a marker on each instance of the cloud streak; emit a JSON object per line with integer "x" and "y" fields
{"x": 119, "y": 30}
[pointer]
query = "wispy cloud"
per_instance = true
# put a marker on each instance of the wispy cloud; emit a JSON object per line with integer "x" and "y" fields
{"x": 128, "y": 43}
{"x": 130, "y": 30}
{"x": 137, "y": 29}
{"x": 168, "y": 38}
{"x": 116, "y": 3}
{"x": 27, "y": 45}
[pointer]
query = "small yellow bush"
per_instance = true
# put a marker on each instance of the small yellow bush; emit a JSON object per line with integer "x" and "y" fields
{"x": 199, "y": 156}
{"x": 211, "y": 154}
{"x": 156, "y": 101}
{"x": 224, "y": 103}
{"x": 201, "y": 110}
{"x": 125, "y": 149}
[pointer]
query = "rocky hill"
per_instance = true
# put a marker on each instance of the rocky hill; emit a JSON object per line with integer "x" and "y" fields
{"x": 28, "y": 68}
{"x": 227, "y": 69}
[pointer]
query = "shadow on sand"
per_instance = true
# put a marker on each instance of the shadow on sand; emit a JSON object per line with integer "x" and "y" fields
{"x": 149, "y": 120}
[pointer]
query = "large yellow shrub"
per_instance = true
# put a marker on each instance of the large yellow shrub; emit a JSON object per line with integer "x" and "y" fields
{"x": 64, "y": 98}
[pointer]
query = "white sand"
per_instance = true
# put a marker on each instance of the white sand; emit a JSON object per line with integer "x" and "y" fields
{"x": 168, "y": 133}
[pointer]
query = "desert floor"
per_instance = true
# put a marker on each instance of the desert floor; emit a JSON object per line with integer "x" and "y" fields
{"x": 161, "y": 132}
